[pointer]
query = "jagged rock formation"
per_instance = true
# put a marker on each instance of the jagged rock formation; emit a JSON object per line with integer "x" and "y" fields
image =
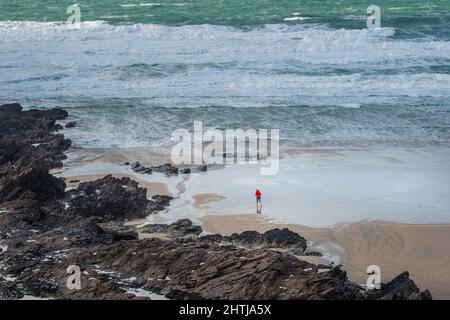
{"x": 275, "y": 238}
{"x": 113, "y": 199}
{"x": 181, "y": 228}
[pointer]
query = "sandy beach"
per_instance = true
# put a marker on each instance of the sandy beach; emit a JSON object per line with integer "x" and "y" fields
{"x": 422, "y": 249}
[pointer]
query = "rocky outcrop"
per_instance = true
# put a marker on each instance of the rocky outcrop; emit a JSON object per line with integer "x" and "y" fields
{"x": 195, "y": 269}
{"x": 275, "y": 238}
{"x": 109, "y": 198}
{"x": 137, "y": 167}
{"x": 271, "y": 239}
{"x": 400, "y": 288}
{"x": 168, "y": 169}
{"x": 180, "y": 228}
{"x": 9, "y": 291}
{"x": 29, "y": 178}
{"x": 113, "y": 199}
{"x": 28, "y": 149}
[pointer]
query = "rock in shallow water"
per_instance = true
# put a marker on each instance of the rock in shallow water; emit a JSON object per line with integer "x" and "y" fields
{"x": 167, "y": 168}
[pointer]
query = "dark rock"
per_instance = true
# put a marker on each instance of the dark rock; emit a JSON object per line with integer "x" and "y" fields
{"x": 184, "y": 227}
{"x": 167, "y": 168}
{"x": 29, "y": 178}
{"x": 110, "y": 198}
{"x": 313, "y": 254}
{"x": 29, "y": 133}
{"x": 83, "y": 233}
{"x": 422, "y": 295}
{"x": 9, "y": 291}
{"x": 214, "y": 238}
{"x": 402, "y": 288}
{"x": 135, "y": 165}
{"x": 127, "y": 163}
{"x": 215, "y": 272}
{"x": 119, "y": 231}
{"x": 159, "y": 202}
{"x": 203, "y": 168}
{"x": 180, "y": 228}
{"x": 140, "y": 169}
{"x": 148, "y": 170}
{"x": 185, "y": 170}
{"x": 11, "y": 108}
{"x": 125, "y": 236}
{"x": 71, "y": 124}
{"x": 275, "y": 238}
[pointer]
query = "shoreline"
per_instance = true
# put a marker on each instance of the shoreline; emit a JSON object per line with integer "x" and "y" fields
{"x": 394, "y": 246}
{"x": 419, "y": 248}
{"x": 48, "y": 226}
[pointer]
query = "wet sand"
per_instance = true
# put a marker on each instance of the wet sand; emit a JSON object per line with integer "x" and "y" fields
{"x": 421, "y": 249}
{"x": 202, "y": 199}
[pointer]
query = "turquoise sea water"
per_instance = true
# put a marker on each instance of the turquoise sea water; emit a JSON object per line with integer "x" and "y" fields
{"x": 427, "y": 16}
{"x": 135, "y": 70}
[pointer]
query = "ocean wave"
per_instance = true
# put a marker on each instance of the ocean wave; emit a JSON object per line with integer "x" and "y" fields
{"x": 300, "y": 126}
{"x": 194, "y": 65}
{"x": 23, "y": 31}
{"x": 153, "y": 4}
{"x": 147, "y": 76}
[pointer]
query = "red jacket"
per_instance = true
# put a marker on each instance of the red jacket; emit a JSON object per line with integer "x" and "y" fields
{"x": 258, "y": 193}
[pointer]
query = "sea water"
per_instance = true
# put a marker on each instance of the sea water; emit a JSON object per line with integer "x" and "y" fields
{"x": 135, "y": 70}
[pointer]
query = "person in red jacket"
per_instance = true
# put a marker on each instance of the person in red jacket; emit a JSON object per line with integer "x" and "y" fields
{"x": 258, "y": 197}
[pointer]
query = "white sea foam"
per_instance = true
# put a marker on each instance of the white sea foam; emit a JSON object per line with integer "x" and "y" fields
{"x": 296, "y": 18}
{"x": 29, "y": 297}
{"x": 194, "y": 66}
{"x": 214, "y": 59}
{"x": 139, "y": 292}
{"x": 153, "y": 4}
{"x": 3, "y": 248}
